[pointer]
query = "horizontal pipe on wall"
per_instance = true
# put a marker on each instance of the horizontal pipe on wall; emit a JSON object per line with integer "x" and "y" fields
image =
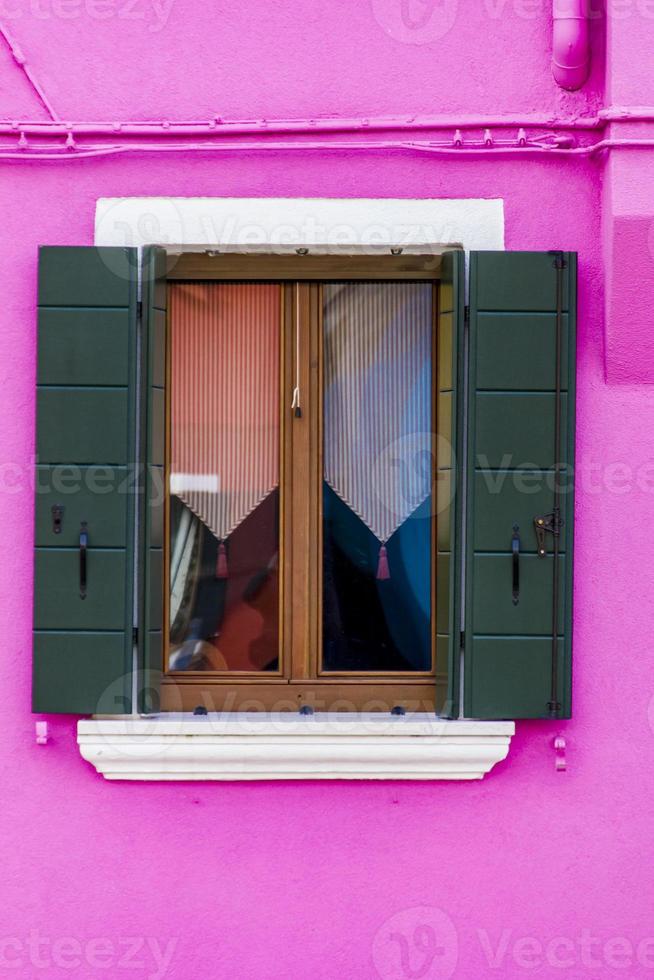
{"x": 221, "y": 129}
{"x": 63, "y": 153}
{"x": 616, "y": 113}
{"x": 297, "y": 126}
{"x": 70, "y": 149}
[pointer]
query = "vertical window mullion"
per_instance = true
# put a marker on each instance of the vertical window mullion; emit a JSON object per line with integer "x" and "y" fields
{"x": 300, "y": 538}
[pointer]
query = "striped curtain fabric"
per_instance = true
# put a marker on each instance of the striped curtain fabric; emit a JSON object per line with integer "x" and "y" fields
{"x": 225, "y": 350}
{"x": 377, "y": 401}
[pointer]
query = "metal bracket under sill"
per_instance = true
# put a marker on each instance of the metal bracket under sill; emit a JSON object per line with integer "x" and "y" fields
{"x": 286, "y": 746}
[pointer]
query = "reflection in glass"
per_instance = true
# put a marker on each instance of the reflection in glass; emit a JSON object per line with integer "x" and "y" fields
{"x": 224, "y": 476}
{"x": 378, "y": 465}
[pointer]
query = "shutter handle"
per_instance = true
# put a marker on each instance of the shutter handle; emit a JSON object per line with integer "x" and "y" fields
{"x": 515, "y": 550}
{"x": 83, "y": 546}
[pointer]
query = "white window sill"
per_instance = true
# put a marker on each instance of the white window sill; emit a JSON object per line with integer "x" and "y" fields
{"x": 285, "y": 746}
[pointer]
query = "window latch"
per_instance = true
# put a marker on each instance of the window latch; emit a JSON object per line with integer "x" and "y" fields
{"x": 57, "y": 511}
{"x": 550, "y": 523}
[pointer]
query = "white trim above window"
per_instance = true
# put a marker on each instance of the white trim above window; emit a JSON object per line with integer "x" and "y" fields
{"x": 342, "y": 223}
{"x": 287, "y": 746}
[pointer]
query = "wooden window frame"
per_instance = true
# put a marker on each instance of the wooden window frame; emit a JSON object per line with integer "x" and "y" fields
{"x": 300, "y": 681}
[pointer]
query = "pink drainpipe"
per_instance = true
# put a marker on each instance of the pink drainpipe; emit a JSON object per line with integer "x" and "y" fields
{"x": 571, "y": 43}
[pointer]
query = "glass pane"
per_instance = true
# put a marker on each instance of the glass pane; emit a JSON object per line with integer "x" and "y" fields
{"x": 224, "y": 476}
{"x": 377, "y": 480}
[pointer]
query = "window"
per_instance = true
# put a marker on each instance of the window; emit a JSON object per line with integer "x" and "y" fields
{"x": 301, "y": 537}
{"x": 406, "y": 539}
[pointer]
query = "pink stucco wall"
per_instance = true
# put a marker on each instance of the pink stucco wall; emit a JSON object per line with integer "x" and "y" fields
{"x": 297, "y": 880}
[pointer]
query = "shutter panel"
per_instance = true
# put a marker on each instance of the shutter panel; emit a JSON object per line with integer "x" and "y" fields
{"x": 152, "y": 454}
{"x": 513, "y": 667}
{"x": 85, "y": 451}
{"x": 449, "y": 503}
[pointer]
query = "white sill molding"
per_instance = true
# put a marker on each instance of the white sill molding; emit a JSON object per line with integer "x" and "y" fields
{"x": 287, "y": 746}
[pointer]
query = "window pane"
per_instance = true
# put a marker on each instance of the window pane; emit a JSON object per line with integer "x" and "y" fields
{"x": 224, "y": 476}
{"x": 377, "y": 513}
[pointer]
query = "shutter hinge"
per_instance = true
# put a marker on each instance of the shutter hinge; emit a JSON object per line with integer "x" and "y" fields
{"x": 559, "y": 259}
{"x": 135, "y": 635}
{"x": 466, "y": 314}
{"x": 462, "y": 639}
{"x": 139, "y": 309}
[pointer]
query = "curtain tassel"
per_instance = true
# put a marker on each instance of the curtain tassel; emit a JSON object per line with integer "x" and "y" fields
{"x": 221, "y": 563}
{"x": 383, "y": 571}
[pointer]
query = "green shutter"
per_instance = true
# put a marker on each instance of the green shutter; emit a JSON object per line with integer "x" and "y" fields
{"x": 85, "y": 453}
{"x": 152, "y": 453}
{"x": 513, "y": 667}
{"x": 448, "y": 551}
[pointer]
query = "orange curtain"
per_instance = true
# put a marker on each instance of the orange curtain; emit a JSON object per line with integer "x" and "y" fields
{"x": 225, "y": 350}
